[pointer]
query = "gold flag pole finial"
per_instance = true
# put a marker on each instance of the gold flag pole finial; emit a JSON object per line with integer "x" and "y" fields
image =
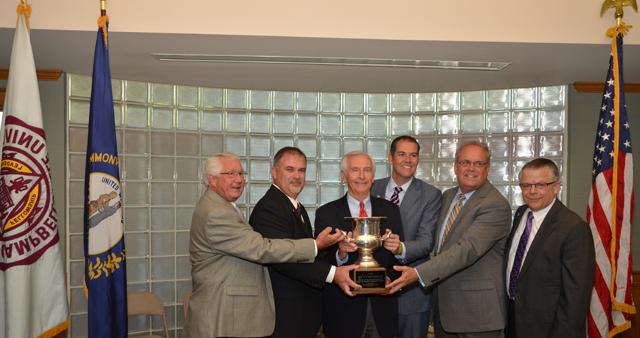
{"x": 103, "y": 20}
{"x": 24, "y": 8}
{"x": 619, "y": 5}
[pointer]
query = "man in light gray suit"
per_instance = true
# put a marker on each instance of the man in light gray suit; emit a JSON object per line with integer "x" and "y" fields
{"x": 419, "y": 207}
{"x": 466, "y": 267}
{"x": 232, "y": 294}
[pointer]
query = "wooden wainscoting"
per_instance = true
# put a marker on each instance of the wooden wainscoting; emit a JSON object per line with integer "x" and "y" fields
{"x": 596, "y": 87}
{"x": 634, "y": 332}
{"x": 43, "y": 74}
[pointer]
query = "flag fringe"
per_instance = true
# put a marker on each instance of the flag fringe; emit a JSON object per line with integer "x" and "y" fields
{"x": 103, "y": 21}
{"x": 620, "y": 328}
{"x": 52, "y": 332}
{"x": 621, "y": 28}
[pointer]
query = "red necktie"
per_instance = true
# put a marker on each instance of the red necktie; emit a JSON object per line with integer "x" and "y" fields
{"x": 363, "y": 211}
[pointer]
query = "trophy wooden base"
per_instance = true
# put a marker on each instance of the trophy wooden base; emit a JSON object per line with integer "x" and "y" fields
{"x": 372, "y": 280}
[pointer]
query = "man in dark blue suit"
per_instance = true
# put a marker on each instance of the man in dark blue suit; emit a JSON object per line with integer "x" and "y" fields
{"x": 362, "y": 315}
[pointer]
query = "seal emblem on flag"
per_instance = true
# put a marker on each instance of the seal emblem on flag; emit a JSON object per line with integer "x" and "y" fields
{"x": 27, "y": 213}
{"x": 104, "y": 210}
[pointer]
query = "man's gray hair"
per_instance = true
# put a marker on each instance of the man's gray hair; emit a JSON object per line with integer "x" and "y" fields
{"x": 477, "y": 144}
{"x": 213, "y": 167}
{"x": 344, "y": 162}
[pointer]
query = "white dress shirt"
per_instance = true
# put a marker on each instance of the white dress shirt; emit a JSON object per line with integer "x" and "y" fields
{"x": 538, "y": 218}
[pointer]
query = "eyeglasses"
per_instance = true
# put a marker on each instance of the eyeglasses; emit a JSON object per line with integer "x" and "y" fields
{"x": 538, "y": 186}
{"x": 234, "y": 173}
{"x": 477, "y": 164}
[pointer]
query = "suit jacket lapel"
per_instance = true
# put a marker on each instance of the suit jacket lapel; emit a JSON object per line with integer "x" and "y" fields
{"x": 458, "y": 227}
{"x": 286, "y": 204}
{"x": 379, "y": 190}
{"x": 307, "y": 223}
{"x": 516, "y": 221}
{"x": 547, "y": 227}
{"x": 345, "y": 212}
{"x": 447, "y": 198}
{"x": 410, "y": 196}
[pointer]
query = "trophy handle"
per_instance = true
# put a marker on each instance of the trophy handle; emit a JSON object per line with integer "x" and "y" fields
{"x": 387, "y": 234}
{"x": 347, "y": 238}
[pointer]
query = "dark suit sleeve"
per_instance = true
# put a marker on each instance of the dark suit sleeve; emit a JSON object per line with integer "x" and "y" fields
{"x": 324, "y": 219}
{"x": 272, "y": 222}
{"x": 425, "y": 237}
{"x": 578, "y": 264}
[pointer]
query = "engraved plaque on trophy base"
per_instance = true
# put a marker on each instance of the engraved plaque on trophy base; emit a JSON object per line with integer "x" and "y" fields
{"x": 372, "y": 280}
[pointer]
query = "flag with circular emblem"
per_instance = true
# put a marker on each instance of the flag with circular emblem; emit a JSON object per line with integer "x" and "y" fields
{"x": 33, "y": 300}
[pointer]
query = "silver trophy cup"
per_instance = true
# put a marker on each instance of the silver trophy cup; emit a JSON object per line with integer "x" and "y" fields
{"x": 366, "y": 235}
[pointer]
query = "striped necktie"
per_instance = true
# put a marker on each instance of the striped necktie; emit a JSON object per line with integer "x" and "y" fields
{"x": 452, "y": 218}
{"x": 395, "y": 198}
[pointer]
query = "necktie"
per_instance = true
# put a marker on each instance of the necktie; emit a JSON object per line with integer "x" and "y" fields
{"x": 363, "y": 211}
{"x": 395, "y": 198}
{"x": 517, "y": 261}
{"x": 452, "y": 218}
{"x": 298, "y": 212}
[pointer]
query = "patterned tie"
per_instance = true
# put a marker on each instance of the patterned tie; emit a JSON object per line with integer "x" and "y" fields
{"x": 517, "y": 261}
{"x": 452, "y": 218}
{"x": 363, "y": 211}
{"x": 395, "y": 198}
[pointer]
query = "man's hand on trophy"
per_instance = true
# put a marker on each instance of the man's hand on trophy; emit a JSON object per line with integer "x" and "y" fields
{"x": 344, "y": 281}
{"x": 346, "y": 245}
{"x": 409, "y": 276}
{"x": 326, "y": 238}
{"x": 392, "y": 243}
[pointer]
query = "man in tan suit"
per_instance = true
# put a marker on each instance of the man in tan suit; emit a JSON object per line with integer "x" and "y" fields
{"x": 232, "y": 294}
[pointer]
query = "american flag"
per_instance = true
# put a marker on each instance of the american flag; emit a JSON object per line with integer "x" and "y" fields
{"x": 610, "y": 208}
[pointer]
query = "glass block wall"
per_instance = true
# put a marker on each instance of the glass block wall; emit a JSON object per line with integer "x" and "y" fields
{"x": 165, "y": 131}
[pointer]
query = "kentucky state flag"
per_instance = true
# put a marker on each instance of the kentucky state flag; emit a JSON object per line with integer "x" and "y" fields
{"x": 105, "y": 273}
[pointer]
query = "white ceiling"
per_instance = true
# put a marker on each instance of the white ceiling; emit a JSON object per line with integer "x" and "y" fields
{"x": 547, "y": 42}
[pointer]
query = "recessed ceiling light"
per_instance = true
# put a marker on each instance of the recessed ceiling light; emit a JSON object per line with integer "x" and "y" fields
{"x": 335, "y": 61}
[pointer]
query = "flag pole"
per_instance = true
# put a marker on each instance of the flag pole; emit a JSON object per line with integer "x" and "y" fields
{"x": 620, "y": 29}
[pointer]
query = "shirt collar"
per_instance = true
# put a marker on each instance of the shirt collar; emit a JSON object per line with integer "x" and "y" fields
{"x": 467, "y": 195}
{"x": 356, "y": 201}
{"x": 539, "y": 215}
{"x": 392, "y": 184}
{"x": 293, "y": 201}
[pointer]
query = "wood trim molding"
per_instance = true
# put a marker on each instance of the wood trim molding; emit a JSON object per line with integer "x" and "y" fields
{"x": 596, "y": 87}
{"x": 2, "y": 91}
{"x": 43, "y": 74}
{"x": 634, "y": 331}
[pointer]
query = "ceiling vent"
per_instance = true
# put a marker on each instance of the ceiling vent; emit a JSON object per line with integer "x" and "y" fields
{"x": 334, "y": 61}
